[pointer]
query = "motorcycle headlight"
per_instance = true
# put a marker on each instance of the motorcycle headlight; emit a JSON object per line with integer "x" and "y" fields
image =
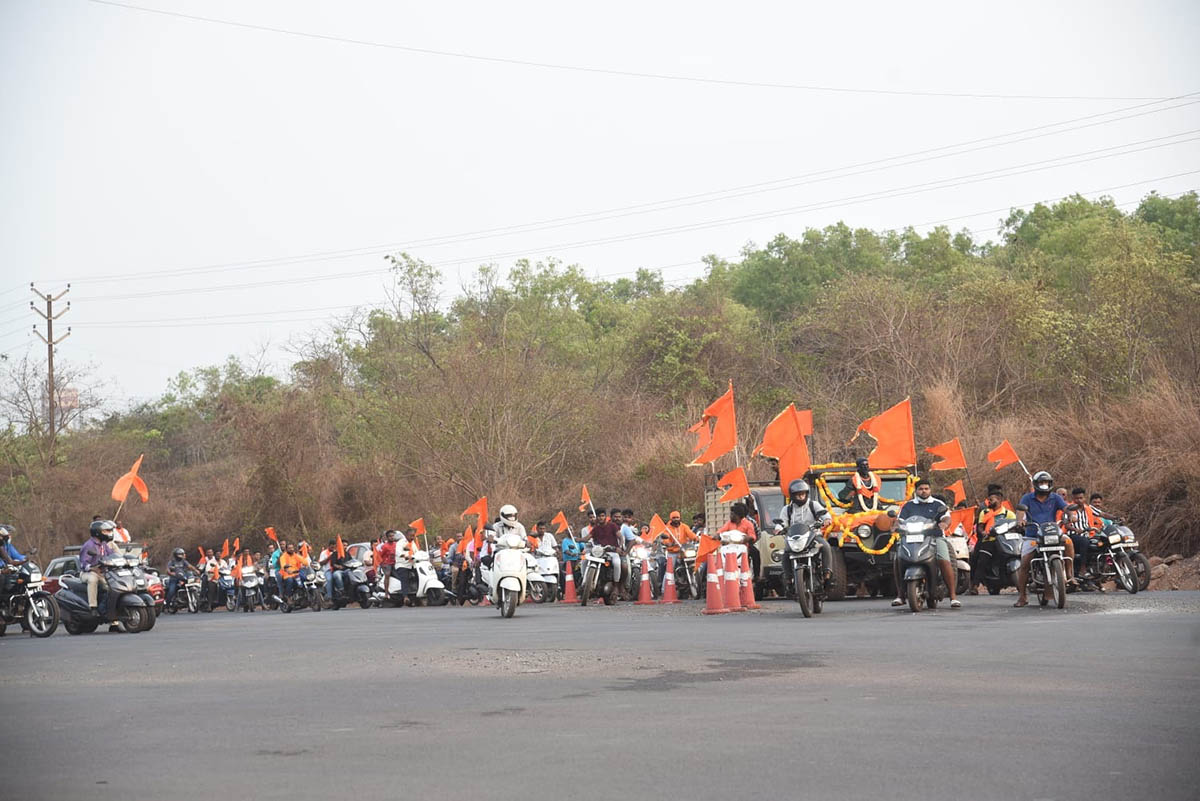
{"x": 597, "y": 551}
{"x": 689, "y": 553}
{"x": 776, "y": 556}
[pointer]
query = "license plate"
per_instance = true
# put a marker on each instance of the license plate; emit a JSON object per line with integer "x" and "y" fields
{"x": 914, "y": 537}
{"x": 122, "y": 572}
{"x": 1012, "y": 535}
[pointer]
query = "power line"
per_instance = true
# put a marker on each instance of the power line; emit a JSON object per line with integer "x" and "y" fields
{"x": 776, "y": 184}
{"x": 424, "y": 51}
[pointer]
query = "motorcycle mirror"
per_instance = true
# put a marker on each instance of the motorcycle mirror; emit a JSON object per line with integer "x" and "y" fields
{"x": 892, "y": 513}
{"x": 778, "y": 521}
{"x": 1022, "y": 507}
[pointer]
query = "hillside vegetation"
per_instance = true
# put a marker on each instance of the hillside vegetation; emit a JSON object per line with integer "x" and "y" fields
{"x": 1076, "y": 336}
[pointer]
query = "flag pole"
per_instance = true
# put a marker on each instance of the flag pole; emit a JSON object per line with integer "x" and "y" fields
{"x": 121, "y": 506}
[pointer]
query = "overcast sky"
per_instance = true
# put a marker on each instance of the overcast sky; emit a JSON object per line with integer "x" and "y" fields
{"x": 142, "y": 144}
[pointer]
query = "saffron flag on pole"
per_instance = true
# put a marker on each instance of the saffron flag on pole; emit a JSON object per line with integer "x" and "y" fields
{"x": 1003, "y": 455}
{"x": 585, "y": 500}
{"x": 477, "y": 508}
{"x": 951, "y": 454}
{"x": 735, "y": 479}
{"x": 560, "y": 520}
{"x": 724, "y": 430}
{"x": 237, "y": 544}
{"x": 895, "y": 445}
{"x": 784, "y": 441}
{"x": 120, "y": 490}
{"x": 657, "y": 526}
{"x": 418, "y": 525}
{"x": 341, "y": 547}
{"x": 200, "y": 548}
{"x": 958, "y": 489}
{"x": 703, "y": 432}
{"x": 225, "y": 549}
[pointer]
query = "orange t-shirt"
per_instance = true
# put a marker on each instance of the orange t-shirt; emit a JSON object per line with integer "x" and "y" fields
{"x": 290, "y": 564}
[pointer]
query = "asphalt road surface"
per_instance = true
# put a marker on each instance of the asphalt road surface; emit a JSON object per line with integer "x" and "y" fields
{"x": 1100, "y": 700}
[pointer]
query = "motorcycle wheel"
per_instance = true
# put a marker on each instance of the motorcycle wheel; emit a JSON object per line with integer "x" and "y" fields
{"x": 804, "y": 594}
{"x": 436, "y": 596}
{"x": 41, "y": 615}
{"x": 315, "y": 603}
{"x": 610, "y": 597}
{"x": 916, "y": 598}
{"x": 230, "y": 603}
{"x": 193, "y": 607}
{"x": 1058, "y": 584}
{"x": 993, "y": 589}
{"x": 837, "y": 581}
{"x": 1126, "y": 574}
{"x": 172, "y": 609}
{"x": 132, "y": 619}
{"x": 365, "y": 602}
{"x": 537, "y": 592}
{"x": 508, "y": 603}
{"x": 1141, "y": 566}
{"x": 585, "y": 589}
{"x": 818, "y": 604}
{"x": 78, "y": 628}
{"x": 285, "y": 607}
{"x": 148, "y": 618}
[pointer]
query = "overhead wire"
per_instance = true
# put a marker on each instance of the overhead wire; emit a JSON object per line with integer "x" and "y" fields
{"x": 425, "y": 51}
{"x": 817, "y": 176}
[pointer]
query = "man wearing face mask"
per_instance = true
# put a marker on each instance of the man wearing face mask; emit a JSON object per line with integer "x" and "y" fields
{"x": 1041, "y": 506}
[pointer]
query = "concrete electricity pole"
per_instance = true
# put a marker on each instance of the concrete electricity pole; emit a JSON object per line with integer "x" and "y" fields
{"x": 49, "y": 316}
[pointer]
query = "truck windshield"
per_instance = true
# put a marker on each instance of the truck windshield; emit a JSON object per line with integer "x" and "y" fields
{"x": 894, "y": 487}
{"x": 770, "y": 505}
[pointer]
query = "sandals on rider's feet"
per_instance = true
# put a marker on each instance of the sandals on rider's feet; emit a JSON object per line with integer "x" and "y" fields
{"x": 1021, "y": 603}
{"x": 956, "y": 604}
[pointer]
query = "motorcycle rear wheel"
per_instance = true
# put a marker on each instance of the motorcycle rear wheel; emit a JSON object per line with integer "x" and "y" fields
{"x": 78, "y": 628}
{"x": 41, "y": 615}
{"x": 435, "y": 596}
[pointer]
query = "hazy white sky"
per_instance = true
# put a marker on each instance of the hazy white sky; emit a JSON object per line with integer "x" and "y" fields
{"x": 137, "y": 144}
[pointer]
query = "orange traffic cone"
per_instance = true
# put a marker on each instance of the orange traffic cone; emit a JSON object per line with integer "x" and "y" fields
{"x": 733, "y": 601}
{"x": 669, "y": 595}
{"x": 716, "y": 604}
{"x": 569, "y": 596}
{"x": 747, "y": 583}
{"x": 644, "y": 597}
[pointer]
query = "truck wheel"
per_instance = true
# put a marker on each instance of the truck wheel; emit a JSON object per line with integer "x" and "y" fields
{"x": 837, "y": 582}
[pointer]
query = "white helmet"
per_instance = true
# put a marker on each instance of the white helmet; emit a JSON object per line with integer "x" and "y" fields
{"x": 508, "y": 513}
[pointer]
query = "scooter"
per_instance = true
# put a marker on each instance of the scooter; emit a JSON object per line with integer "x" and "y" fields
{"x": 535, "y": 585}
{"x": 354, "y": 586}
{"x": 132, "y": 610}
{"x": 802, "y": 567}
{"x": 507, "y": 579}
{"x": 23, "y": 600}
{"x": 251, "y": 589}
{"x": 227, "y": 589}
{"x": 1003, "y": 542}
{"x": 922, "y": 579}
{"x": 547, "y": 566}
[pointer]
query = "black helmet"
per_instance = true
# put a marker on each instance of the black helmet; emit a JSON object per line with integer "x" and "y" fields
{"x": 1042, "y": 478}
{"x": 796, "y": 487}
{"x": 179, "y": 553}
{"x": 102, "y": 529}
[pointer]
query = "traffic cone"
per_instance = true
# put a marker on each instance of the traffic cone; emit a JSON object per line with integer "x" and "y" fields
{"x": 569, "y": 596}
{"x": 668, "y": 594}
{"x": 747, "y": 583}
{"x": 644, "y": 597}
{"x": 731, "y": 591}
{"x": 715, "y": 605}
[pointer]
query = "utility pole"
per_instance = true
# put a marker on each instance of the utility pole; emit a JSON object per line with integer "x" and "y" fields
{"x": 49, "y": 316}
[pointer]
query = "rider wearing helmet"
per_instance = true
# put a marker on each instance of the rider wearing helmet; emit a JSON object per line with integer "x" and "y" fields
{"x": 178, "y": 569}
{"x": 508, "y": 523}
{"x": 1042, "y": 505}
{"x": 98, "y": 546}
{"x": 9, "y": 554}
{"x": 803, "y": 509}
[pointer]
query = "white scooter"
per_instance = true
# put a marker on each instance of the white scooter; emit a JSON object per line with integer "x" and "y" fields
{"x": 547, "y": 565}
{"x": 535, "y": 583}
{"x": 507, "y": 579}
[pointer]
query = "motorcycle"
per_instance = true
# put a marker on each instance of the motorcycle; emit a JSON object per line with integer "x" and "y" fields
{"x": 638, "y": 554}
{"x": 23, "y": 600}
{"x": 1109, "y": 558}
{"x": 509, "y": 574}
{"x": 187, "y": 595}
{"x": 596, "y": 575}
{"x": 923, "y": 583}
{"x": 802, "y": 567}
{"x": 686, "y": 583}
{"x": 354, "y": 586}
{"x": 250, "y": 592}
{"x": 133, "y": 612}
{"x": 1141, "y": 564}
{"x": 1004, "y": 544}
{"x": 1047, "y": 571}
{"x": 314, "y": 586}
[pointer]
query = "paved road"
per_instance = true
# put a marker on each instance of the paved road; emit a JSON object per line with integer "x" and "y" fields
{"x": 1097, "y": 701}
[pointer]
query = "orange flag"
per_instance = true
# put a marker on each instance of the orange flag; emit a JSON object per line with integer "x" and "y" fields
{"x": 341, "y": 547}
{"x": 271, "y": 534}
{"x": 707, "y": 545}
{"x": 477, "y": 508}
{"x": 965, "y": 517}
{"x": 735, "y": 479}
{"x": 951, "y": 454}
{"x": 237, "y": 544}
{"x": 724, "y": 431}
{"x": 200, "y": 548}
{"x": 225, "y": 548}
{"x": 419, "y": 525}
{"x": 1003, "y": 455}
{"x": 560, "y": 520}
{"x": 467, "y": 538}
{"x": 958, "y": 489}
{"x": 120, "y": 490}
{"x": 895, "y": 445}
{"x": 784, "y": 440}
{"x": 657, "y": 526}
{"x": 304, "y": 551}
{"x": 703, "y": 432}
{"x": 585, "y": 500}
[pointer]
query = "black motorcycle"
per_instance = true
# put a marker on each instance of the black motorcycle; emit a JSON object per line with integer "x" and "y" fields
{"x": 923, "y": 583}
{"x": 134, "y": 613}
{"x": 1003, "y": 544}
{"x": 1048, "y": 571}
{"x": 22, "y": 600}
{"x": 1110, "y": 557}
{"x": 803, "y": 570}
{"x": 596, "y": 577}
